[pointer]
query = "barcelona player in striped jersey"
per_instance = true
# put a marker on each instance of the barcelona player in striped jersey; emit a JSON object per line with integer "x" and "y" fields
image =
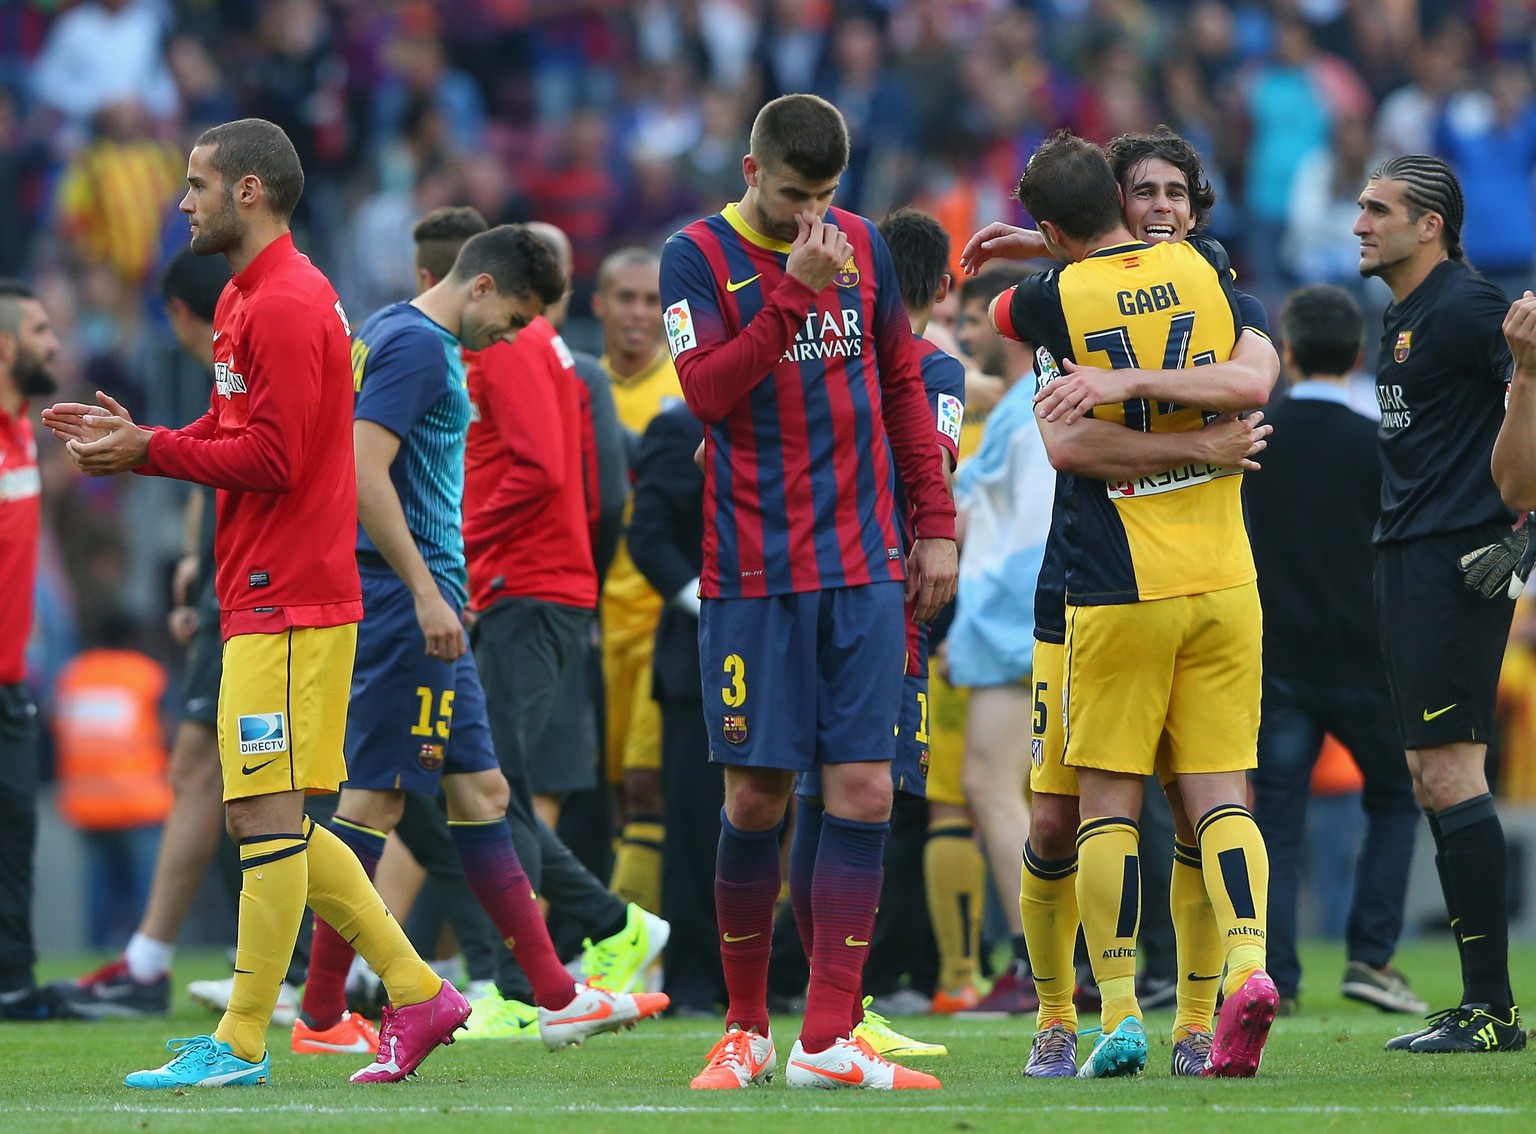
{"x": 920, "y": 253}
{"x": 785, "y": 320}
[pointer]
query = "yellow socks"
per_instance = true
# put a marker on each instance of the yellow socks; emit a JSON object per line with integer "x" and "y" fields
{"x": 1199, "y": 945}
{"x": 637, "y": 866}
{"x": 1109, "y": 899}
{"x": 954, "y": 874}
{"x": 1236, "y": 868}
{"x": 339, "y": 891}
{"x": 1048, "y": 901}
{"x": 273, "y": 873}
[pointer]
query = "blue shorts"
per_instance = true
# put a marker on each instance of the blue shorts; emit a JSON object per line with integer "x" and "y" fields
{"x": 909, "y": 765}
{"x": 793, "y": 681}
{"x": 413, "y": 718}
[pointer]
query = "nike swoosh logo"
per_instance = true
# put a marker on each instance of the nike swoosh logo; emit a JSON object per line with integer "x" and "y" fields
{"x": 733, "y": 286}
{"x": 216, "y": 335}
{"x": 1429, "y": 716}
{"x": 852, "y": 944}
{"x": 854, "y": 1075}
{"x": 356, "y": 1047}
{"x": 1191, "y": 976}
{"x": 730, "y": 940}
{"x": 1474, "y": 937}
{"x": 602, "y": 1012}
{"x": 247, "y": 770}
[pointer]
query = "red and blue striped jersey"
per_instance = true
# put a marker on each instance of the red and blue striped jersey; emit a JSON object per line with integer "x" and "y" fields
{"x": 944, "y": 382}
{"x": 806, "y": 397}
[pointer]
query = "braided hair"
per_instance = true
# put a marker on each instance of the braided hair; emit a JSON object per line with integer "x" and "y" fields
{"x": 1431, "y": 187}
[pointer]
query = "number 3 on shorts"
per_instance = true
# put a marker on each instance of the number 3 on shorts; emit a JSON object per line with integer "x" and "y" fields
{"x": 735, "y": 694}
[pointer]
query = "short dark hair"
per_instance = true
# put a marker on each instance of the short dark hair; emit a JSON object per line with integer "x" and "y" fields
{"x": 1322, "y": 324}
{"x": 12, "y": 292}
{"x": 627, "y": 257}
{"x": 804, "y": 132}
{"x": 1128, "y": 151}
{"x": 1068, "y": 182}
{"x": 920, "y": 248}
{"x": 441, "y": 233}
{"x": 517, "y": 260}
{"x": 1431, "y": 188}
{"x": 258, "y": 148}
{"x": 197, "y": 281}
{"x": 991, "y": 283}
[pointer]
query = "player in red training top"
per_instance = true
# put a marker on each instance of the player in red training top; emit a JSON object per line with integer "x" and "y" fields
{"x": 277, "y": 445}
{"x": 28, "y": 347}
{"x": 785, "y": 319}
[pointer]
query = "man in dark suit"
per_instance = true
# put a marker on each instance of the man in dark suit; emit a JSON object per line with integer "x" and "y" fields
{"x": 666, "y": 539}
{"x": 1310, "y": 516}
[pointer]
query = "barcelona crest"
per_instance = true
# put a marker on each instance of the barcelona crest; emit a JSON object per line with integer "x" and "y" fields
{"x": 1403, "y": 345}
{"x": 849, "y": 275}
{"x": 430, "y": 757}
{"x": 734, "y": 726}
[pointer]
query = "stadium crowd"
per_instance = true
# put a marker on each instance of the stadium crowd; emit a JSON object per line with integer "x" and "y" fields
{"x": 618, "y": 123}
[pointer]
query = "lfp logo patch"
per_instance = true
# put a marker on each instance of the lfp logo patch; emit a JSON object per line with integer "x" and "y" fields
{"x": 951, "y": 414}
{"x": 680, "y": 333}
{"x": 262, "y": 732}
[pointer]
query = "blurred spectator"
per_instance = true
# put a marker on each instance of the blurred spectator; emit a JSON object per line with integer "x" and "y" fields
{"x": 1488, "y": 135}
{"x": 297, "y": 80}
{"x": 205, "y": 97}
{"x": 116, "y": 192}
{"x": 575, "y": 191}
{"x": 112, "y": 774}
{"x": 713, "y": 165}
{"x": 19, "y": 159}
{"x": 1319, "y": 246}
{"x": 1408, "y": 117}
{"x": 882, "y": 126}
{"x": 419, "y": 73}
{"x": 657, "y": 204}
{"x": 103, "y": 51}
{"x": 794, "y": 47}
{"x": 667, "y": 118}
{"x": 1288, "y": 114}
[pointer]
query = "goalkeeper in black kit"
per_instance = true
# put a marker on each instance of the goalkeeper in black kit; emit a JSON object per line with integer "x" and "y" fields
{"x": 1445, "y": 555}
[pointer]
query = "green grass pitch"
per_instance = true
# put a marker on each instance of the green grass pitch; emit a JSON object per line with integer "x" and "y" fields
{"x": 1324, "y": 1070}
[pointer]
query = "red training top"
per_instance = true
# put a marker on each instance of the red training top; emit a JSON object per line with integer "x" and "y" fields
{"x": 526, "y": 533}
{"x": 21, "y": 517}
{"x": 277, "y": 444}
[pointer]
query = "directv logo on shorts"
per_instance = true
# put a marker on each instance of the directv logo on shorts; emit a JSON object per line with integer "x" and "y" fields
{"x": 262, "y": 732}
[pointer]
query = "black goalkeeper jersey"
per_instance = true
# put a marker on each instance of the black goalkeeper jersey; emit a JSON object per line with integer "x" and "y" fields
{"x": 1441, "y": 381}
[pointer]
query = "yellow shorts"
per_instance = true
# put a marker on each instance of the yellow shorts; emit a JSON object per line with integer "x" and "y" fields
{"x": 1189, "y": 667}
{"x": 283, "y": 710}
{"x": 633, "y": 742}
{"x": 1047, "y": 728}
{"x": 946, "y": 740}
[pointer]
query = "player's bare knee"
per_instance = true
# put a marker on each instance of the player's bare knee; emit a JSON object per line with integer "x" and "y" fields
{"x": 1053, "y": 827}
{"x": 477, "y": 797}
{"x": 756, "y": 798}
{"x": 860, "y": 791}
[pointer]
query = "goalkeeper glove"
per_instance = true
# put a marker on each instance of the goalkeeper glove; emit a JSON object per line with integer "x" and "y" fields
{"x": 1502, "y": 567}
